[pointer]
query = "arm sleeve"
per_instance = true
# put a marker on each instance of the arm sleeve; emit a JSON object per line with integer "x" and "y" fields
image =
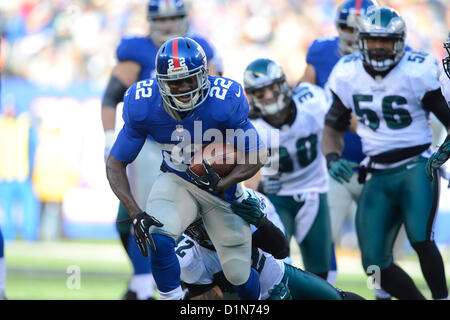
{"x": 338, "y": 116}
{"x": 435, "y": 102}
{"x": 271, "y": 239}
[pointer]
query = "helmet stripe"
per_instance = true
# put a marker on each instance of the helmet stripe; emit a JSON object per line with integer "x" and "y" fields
{"x": 357, "y": 7}
{"x": 176, "y": 61}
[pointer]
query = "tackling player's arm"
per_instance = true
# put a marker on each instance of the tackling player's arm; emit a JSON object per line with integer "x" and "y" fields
{"x": 205, "y": 292}
{"x": 435, "y": 102}
{"x": 337, "y": 122}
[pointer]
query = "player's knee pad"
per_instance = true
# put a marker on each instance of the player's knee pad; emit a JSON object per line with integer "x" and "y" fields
{"x": 236, "y": 271}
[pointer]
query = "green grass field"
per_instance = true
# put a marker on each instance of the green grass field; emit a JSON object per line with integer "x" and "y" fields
{"x": 44, "y": 271}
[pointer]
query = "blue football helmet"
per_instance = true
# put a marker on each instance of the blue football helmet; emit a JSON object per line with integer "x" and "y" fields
{"x": 168, "y": 19}
{"x": 177, "y": 59}
{"x": 446, "y": 60}
{"x": 346, "y": 18}
{"x": 387, "y": 24}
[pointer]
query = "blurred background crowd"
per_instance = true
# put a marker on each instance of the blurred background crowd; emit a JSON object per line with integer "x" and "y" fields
{"x": 59, "y": 42}
{"x": 56, "y": 58}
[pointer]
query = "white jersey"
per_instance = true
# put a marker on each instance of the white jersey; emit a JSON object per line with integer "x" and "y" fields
{"x": 198, "y": 264}
{"x": 297, "y": 153}
{"x": 389, "y": 110}
{"x": 445, "y": 86}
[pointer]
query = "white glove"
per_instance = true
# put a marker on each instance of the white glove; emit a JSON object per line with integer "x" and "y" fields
{"x": 109, "y": 141}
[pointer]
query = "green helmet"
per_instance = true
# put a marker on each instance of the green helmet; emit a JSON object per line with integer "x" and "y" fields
{"x": 262, "y": 73}
{"x": 384, "y": 23}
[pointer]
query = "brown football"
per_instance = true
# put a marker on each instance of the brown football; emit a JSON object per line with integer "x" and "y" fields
{"x": 221, "y": 156}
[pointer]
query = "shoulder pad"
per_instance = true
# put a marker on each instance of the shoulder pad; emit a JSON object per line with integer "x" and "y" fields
{"x": 346, "y": 67}
{"x": 230, "y": 100}
{"x": 137, "y": 99}
{"x": 322, "y": 43}
{"x": 416, "y": 63}
{"x": 311, "y": 98}
{"x": 132, "y": 48}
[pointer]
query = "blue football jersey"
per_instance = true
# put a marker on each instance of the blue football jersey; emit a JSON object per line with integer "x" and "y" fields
{"x": 221, "y": 117}
{"x": 143, "y": 51}
{"x": 323, "y": 54}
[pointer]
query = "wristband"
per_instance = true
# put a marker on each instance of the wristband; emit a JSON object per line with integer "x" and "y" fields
{"x": 109, "y": 138}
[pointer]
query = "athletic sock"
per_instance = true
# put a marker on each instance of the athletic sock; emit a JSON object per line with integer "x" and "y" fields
{"x": 165, "y": 265}
{"x": 143, "y": 285}
{"x": 399, "y": 284}
{"x": 141, "y": 264}
{"x": 250, "y": 290}
{"x": 175, "y": 294}
{"x": 432, "y": 268}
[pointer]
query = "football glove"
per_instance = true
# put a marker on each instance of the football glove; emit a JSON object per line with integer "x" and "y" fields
{"x": 437, "y": 159}
{"x": 249, "y": 210}
{"x": 141, "y": 225}
{"x": 271, "y": 186}
{"x": 208, "y": 181}
{"x": 340, "y": 169}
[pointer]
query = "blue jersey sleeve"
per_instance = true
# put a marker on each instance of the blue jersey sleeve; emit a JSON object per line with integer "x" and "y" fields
{"x": 132, "y": 136}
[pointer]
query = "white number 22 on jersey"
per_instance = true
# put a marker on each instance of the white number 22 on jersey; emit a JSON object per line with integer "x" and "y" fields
{"x": 143, "y": 89}
{"x": 220, "y": 91}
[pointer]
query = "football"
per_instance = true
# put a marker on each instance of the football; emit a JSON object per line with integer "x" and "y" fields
{"x": 221, "y": 156}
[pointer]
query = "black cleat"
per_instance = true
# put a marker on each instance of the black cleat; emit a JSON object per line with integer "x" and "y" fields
{"x": 129, "y": 295}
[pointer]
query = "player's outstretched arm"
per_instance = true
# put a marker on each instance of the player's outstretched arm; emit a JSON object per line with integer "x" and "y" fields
{"x": 252, "y": 163}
